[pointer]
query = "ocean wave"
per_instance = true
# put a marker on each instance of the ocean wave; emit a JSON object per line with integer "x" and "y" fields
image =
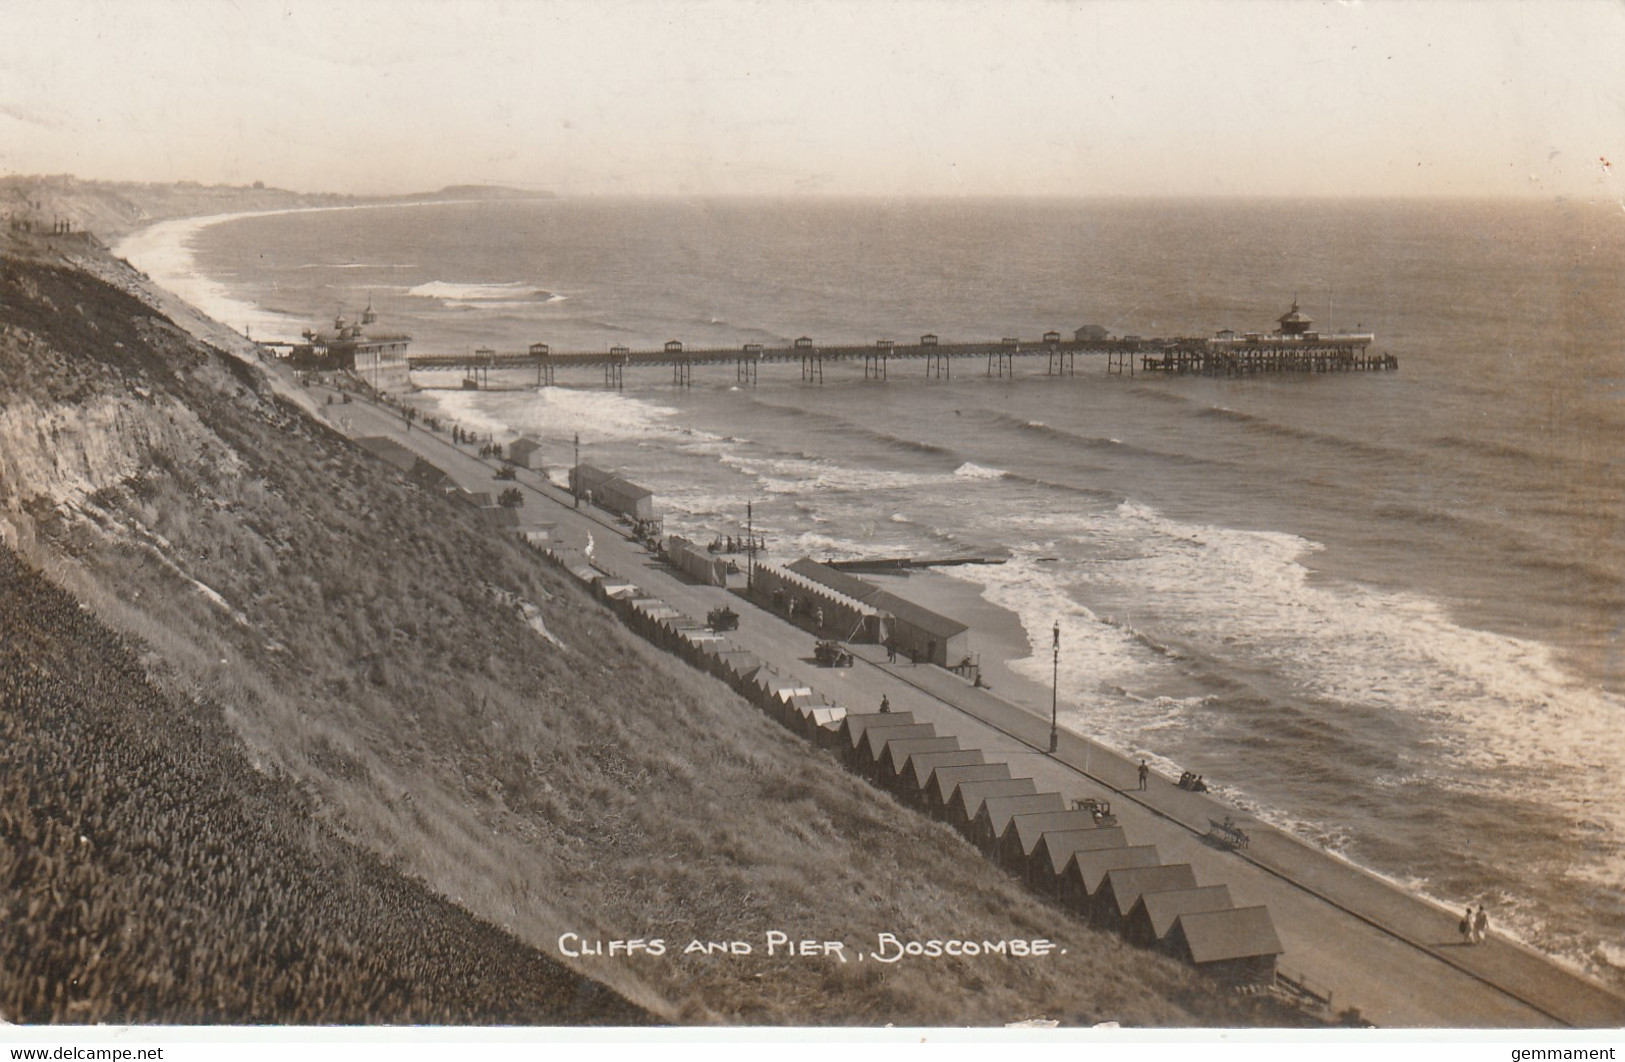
{"x": 971, "y": 470}
{"x": 1274, "y": 428}
{"x": 505, "y": 293}
{"x": 357, "y": 265}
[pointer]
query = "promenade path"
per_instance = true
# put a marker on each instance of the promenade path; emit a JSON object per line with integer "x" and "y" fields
{"x": 1395, "y": 957}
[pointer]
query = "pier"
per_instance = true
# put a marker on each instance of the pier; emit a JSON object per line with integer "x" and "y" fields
{"x": 1291, "y": 349}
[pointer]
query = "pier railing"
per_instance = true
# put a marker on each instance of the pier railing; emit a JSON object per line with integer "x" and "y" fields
{"x": 1208, "y": 356}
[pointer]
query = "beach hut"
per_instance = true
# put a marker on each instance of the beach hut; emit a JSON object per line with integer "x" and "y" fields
{"x": 828, "y": 720}
{"x": 898, "y": 752}
{"x": 1123, "y": 886}
{"x": 1056, "y": 848}
{"x": 873, "y": 747}
{"x": 1087, "y": 869}
{"x": 1020, "y": 838}
{"x": 853, "y": 726}
{"x": 524, "y": 452}
{"x": 1239, "y": 946}
{"x": 912, "y": 629}
{"x": 944, "y": 781}
{"x": 699, "y": 564}
{"x": 968, "y": 798}
{"x": 609, "y": 491}
{"x": 1148, "y": 924}
{"x": 915, "y": 776}
{"x": 996, "y": 813}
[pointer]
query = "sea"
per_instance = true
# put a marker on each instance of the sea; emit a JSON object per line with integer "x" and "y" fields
{"x": 1380, "y": 610}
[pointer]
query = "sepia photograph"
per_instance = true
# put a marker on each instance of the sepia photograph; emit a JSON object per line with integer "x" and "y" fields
{"x": 1078, "y": 521}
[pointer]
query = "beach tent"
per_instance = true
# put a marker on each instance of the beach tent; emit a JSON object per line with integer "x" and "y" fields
{"x": 1056, "y": 848}
{"x": 1239, "y": 945}
{"x": 1020, "y": 838}
{"x": 1148, "y": 924}
{"x": 996, "y": 813}
{"x": 1123, "y": 886}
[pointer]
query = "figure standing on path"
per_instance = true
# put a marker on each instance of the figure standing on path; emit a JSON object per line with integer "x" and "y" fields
{"x": 1481, "y": 925}
{"x": 885, "y": 705}
{"x": 1145, "y": 772}
{"x": 1466, "y": 925}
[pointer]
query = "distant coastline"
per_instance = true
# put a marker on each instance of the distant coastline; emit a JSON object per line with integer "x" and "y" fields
{"x": 163, "y": 251}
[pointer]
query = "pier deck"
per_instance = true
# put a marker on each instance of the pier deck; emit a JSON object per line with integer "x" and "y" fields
{"x": 1219, "y": 356}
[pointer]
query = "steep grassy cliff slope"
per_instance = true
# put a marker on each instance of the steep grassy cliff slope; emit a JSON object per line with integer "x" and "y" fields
{"x": 367, "y": 645}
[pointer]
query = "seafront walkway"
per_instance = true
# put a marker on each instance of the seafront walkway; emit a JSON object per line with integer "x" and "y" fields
{"x": 1396, "y": 958}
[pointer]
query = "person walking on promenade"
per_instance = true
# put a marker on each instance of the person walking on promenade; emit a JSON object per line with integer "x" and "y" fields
{"x": 1466, "y": 925}
{"x": 1145, "y": 772}
{"x": 891, "y": 651}
{"x": 1481, "y": 925}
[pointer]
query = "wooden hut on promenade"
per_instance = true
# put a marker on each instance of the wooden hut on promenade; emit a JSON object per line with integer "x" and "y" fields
{"x": 915, "y": 779}
{"x": 1155, "y": 913}
{"x": 872, "y": 748}
{"x": 898, "y": 752}
{"x": 1122, "y": 888}
{"x": 945, "y": 782}
{"x": 990, "y": 823}
{"x": 1087, "y": 870}
{"x": 1239, "y": 946}
{"x": 853, "y": 726}
{"x": 968, "y": 798}
{"x": 1020, "y": 838}
{"x": 1055, "y": 850}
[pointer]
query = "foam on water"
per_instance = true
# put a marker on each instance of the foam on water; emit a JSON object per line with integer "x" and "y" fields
{"x": 165, "y": 253}
{"x": 556, "y": 412}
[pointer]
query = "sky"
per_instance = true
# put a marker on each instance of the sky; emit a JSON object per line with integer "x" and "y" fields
{"x": 792, "y": 97}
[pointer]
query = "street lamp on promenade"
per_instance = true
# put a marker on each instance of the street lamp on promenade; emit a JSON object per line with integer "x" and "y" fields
{"x": 1054, "y": 693}
{"x": 575, "y": 473}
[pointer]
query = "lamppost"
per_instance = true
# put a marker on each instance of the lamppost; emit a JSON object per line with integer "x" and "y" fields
{"x": 750, "y": 551}
{"x": 1054, "y": 693}
{"x": 575, "y": 473}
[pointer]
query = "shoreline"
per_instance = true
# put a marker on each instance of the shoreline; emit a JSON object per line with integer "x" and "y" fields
{"x": 998, "y": 634}
{"x": 163, "y": 251}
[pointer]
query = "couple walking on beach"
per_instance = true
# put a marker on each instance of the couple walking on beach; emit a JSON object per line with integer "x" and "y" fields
{"x": 1474, "y": 926}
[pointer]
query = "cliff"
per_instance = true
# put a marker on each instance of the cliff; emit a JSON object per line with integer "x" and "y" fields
{"x": 355, "y": 660}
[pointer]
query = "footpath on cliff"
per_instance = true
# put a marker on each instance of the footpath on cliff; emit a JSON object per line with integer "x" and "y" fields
{"x": 1396, "y": 958}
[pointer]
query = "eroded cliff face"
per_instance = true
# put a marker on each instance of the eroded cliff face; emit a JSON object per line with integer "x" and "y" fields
{"x": 376, "y": 649}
